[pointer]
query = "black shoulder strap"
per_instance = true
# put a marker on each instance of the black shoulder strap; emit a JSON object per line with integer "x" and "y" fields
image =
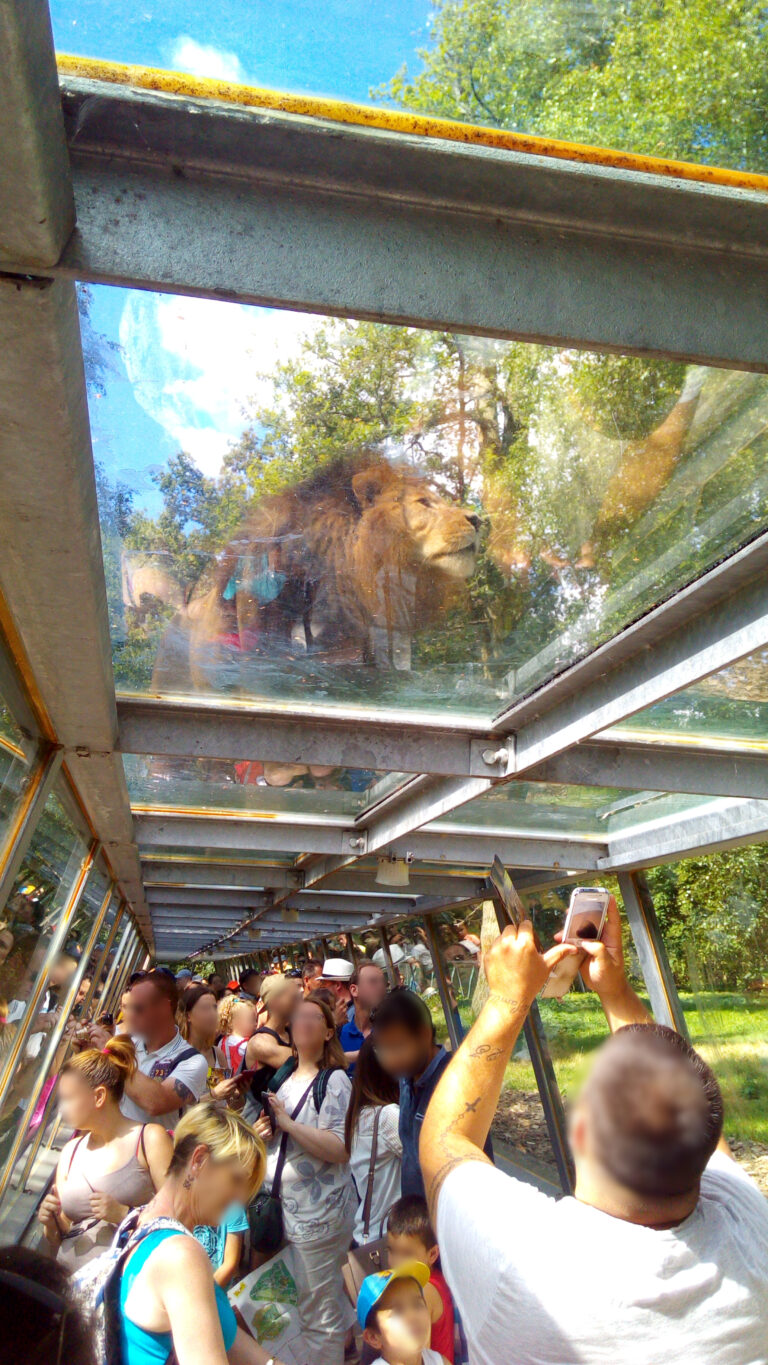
{"x": 282, "y": 1074}
{"x": 320, "y": 1087}
{"x": 183, "y": 1056}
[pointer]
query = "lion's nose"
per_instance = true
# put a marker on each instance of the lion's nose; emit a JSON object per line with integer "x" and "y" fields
{"x": 473, "y": 520}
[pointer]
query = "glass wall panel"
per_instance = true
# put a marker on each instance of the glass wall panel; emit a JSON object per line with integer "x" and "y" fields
{"x": 313, "y": 512}
{"x": 666, "y": 79}
{"x": 714, "y": 918}
{"x": 32, "y": 915}
{"x": 519, "y": 1130}
{"x": 18, "y": 754}
{"x": 729, "y": 709}
{"x": 217, "y": 785}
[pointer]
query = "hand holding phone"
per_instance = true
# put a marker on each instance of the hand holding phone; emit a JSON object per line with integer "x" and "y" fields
{"x": 269, "y": 1113}
{"x": 585, "y": 919}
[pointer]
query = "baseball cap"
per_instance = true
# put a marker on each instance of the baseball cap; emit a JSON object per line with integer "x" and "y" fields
{"x": 337, "y": 969}
{"x": 374, "y": 1286}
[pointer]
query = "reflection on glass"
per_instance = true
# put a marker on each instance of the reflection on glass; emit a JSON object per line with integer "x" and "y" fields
{"x": 17, "y": 757}
{"x": 254, "y": 788}
{"x": 727, "y": 709}
{"x": 664, "y": 79}
{"x": 31, "y": 917}
{"x": 396, "y": 518}
{"x": 576, "y": 812}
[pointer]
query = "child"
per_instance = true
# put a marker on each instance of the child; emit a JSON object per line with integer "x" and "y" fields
{"x": 224, "y": 1244}
{"x": 410, "y": 1238}
{"x": 394, "y": 1317}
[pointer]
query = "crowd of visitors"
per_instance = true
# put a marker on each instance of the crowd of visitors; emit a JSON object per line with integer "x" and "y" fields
{"x": 318, "y": 1111}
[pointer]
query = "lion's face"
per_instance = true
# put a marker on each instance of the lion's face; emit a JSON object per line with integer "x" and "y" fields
{"x": 438, "y": 535}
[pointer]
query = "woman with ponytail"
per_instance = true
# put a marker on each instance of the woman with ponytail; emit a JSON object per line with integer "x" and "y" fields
{"x": 111, "y": 1166}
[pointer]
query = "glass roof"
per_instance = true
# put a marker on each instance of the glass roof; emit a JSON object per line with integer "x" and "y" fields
{"x": 665, "y": 79}
{"x": 301, "y": 510}
{"x": 729, "y": 708}
{"x": 253, "y": 788}
{"x": 584, "y": 813}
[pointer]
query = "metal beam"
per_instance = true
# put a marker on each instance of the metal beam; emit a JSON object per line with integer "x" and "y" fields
{"x": 347, "y": 737}
{"x": 51, "y": 570}
{"x": 649, "y": 945}
{"x": 425, "y": 802}
{"x": 528, "y": 247}
{"x": 725, "y": 824}
{"x": 205, "y": 874}
{"x": 658, "y": 767}
{"x": 37, "y": 208}
{"x": 705, "y": 627}
{"x": 478, "y": 847}
{"x": 237, "y": 836}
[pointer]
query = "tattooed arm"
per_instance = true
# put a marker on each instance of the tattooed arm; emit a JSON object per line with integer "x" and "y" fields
{"x": 461, "y": 1111}
{"x": 157, "y": 1097}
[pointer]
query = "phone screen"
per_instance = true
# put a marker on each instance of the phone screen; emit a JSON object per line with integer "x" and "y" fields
{"x": 586, "y": 914}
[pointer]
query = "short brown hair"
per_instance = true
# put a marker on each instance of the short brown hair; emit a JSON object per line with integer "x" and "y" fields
{"x": 165, "y": 985}
{"x": 656, "y": 1111}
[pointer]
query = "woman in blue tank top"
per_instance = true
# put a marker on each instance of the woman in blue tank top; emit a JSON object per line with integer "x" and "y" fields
{"x": 168, "y": 1297}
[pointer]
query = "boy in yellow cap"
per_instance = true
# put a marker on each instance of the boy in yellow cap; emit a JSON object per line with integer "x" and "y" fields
{"x": 394, "y": 1316}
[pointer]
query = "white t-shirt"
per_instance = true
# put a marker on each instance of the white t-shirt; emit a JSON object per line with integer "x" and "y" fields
{"x": 428, "y": 1357}
{"x": 317, "y": 1197}
{"x": 386, "y": 1176}
{"x": 192, "y": 1072}
{"x": 541, "y": 1281}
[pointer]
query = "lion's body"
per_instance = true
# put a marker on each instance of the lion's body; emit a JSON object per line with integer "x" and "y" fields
{"x": 346, "y": 566}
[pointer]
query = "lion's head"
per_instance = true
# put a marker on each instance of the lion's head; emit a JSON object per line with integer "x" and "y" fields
{"x": 403, "y": 515}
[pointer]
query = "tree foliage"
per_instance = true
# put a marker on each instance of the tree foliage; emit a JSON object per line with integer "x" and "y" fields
{"x": 676, "y": 78}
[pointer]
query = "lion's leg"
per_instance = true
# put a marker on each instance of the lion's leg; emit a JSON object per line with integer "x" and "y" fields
{"x": 647, "y": 465}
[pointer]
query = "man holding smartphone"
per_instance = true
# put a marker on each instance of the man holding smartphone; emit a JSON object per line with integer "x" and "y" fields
{"x": 660, "y": 1254}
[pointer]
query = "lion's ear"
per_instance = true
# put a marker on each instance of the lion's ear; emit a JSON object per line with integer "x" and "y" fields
{"x": 369, "y": 484}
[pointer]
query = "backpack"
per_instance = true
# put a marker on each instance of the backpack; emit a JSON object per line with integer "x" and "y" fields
{"x": 96, "y": 1285}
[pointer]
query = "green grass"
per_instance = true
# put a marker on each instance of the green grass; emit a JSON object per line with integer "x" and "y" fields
{"x": 730, "y": 1031}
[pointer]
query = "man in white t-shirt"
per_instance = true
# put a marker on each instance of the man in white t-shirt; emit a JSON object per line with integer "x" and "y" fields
{"x": 662, "y": 1253}
{"x": 171, "y": 1075}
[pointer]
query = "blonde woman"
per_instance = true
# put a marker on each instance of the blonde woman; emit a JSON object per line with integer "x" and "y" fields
{"x": 112, "y": 1166}
{"x": 169, "y": 1301}
{"x": 237, "y": 1024}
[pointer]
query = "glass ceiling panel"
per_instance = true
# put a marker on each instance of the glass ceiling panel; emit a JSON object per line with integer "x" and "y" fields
{"x": 303, "y": 510}
{"x": 728, "y": 709}
{"x": 253, "y": 788}
{"x": 588, "y": 813}
{"x": 665, "y": 79}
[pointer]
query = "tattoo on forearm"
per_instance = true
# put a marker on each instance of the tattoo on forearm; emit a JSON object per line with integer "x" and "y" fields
{"x": 485, "y": 1052}
{"x": 184, "y": 1093}
{"x": 508, "y": 1002}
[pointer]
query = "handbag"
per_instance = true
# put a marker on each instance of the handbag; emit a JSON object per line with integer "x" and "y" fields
{"x": 370, "y": 1256}
{"x": 265, "y": 1212}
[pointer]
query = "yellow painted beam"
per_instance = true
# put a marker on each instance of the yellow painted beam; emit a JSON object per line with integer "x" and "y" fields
{"x": 398, "y": 121}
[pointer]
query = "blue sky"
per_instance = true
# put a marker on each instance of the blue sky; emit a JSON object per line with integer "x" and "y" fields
{"x": 185, "y": 367}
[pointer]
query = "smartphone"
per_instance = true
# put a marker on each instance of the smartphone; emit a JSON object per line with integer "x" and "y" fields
{"x": 585, "y": 919}
{"x": 268, "y": 1111}
{"x": 586, "y": 913}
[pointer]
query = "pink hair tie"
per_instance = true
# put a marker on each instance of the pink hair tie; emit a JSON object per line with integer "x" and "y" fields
{"x": 105, "y": 1050}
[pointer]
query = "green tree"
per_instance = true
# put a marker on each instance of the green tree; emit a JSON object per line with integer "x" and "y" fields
{"x": 675, "y": 78}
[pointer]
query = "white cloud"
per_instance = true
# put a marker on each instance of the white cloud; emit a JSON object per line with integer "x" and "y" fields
{"x": 194, "y": 364}
{"x": 198, "y": 60}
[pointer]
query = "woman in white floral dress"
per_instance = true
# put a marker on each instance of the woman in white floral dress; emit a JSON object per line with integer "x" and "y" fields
{"x": 317, "y": 1194}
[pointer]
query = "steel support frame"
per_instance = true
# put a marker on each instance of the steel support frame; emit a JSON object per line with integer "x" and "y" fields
{"x": 596, "y": 256}
{"x": 649, "y": 945}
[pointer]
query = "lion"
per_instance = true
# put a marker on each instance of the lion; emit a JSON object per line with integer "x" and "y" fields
{"x": 345, "y": 567}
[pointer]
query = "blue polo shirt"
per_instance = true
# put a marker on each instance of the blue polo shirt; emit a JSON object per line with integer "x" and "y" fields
{"x": 351, "y": 1038}
{"x": 414, "y": 1100}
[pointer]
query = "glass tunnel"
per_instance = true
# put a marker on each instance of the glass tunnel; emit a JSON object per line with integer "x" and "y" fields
{"x": 383, "y": 489}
